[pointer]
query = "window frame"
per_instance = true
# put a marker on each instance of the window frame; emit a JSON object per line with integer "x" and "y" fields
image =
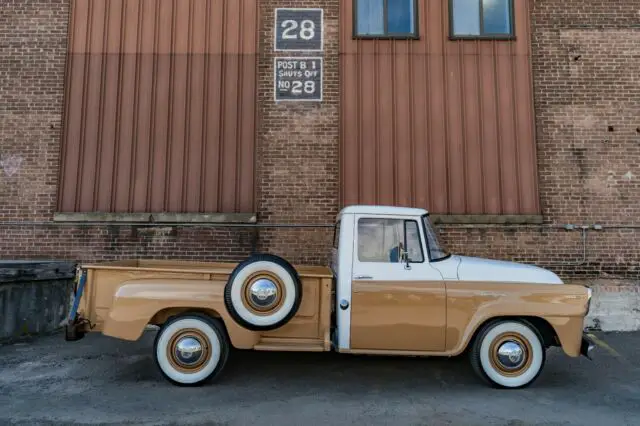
{"x": 336, "y": 234}
{"x": 422, "y": 239}
{"x": 484, "y": 36}
{"x": 426, "y": 241}
{"x": 415, "y": 35}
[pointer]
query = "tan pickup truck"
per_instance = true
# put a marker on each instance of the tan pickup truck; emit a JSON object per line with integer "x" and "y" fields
{"x": 391, "y": 289}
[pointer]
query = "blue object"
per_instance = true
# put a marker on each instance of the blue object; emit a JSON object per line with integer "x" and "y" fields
{"x": 394, "y": 255}
{"x": 77, "y": 297}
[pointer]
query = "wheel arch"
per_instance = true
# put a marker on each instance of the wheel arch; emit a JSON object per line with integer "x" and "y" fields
{"x": 542, "y": 326}
{"x": 238, "y": 337}
{"x": 163, "y": 315}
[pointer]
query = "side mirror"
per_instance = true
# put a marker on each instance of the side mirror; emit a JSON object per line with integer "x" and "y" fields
{"x": 404, "y": 257}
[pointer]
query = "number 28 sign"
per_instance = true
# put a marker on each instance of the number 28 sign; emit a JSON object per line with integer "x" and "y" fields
{"x": 299, "y": 30}
{"x": 298, "y": 79}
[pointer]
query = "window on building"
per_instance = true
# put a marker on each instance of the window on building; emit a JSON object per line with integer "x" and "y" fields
{"x": 385, "y": 18}
{"x": 481, "y": 18}
{"x": 389, "y": 241}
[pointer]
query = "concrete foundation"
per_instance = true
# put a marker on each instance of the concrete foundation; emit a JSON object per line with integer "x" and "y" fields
{"x": 615, "y": 305}
{"x": 34, "y": 297}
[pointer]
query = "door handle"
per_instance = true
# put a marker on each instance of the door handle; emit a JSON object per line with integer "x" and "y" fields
{"x": 363, "y": 277}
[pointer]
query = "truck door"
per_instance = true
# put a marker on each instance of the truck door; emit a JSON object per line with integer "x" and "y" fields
{"x": 395, "y": 305}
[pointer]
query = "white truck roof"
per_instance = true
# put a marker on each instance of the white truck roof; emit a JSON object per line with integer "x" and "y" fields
{"x": 382, "y": 210}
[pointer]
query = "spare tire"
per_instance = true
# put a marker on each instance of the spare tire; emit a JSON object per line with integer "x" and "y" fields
{"x": 263, "y": 292}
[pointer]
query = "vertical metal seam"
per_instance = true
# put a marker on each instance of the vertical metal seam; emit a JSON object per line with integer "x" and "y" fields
{"x": 102, "y": 101}
{"x": 187, "y": 111}
{"x": 83, "y": 113}
{"x": 429, "y": 133}
{"x": 116, "y": 149}
{"x": 223, "y": 94}
{"x": 376, "y": 79}
{"x": 481, "y": 136}
{"x": 135, "y": 142}
{"x": 514, "y": 96}
{"x": 428, "y": 122}
{"x": 499, "y": 137}
{"x": 463, "y": 122}
{"x": 239, "y": 134}
{"x": 255, "y": 194}
{"x": 205, "y": 108}
{"x": 153, "y": 111}
{"x": 360, "y": 153}
{"x": 172, "y": 58}
{"x": 412, "y": 156}
{"x": 446, "y": 119}
{"x": 394, "y": 124}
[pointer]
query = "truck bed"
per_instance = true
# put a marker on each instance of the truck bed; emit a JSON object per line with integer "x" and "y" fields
{"x": 309, "y": 330}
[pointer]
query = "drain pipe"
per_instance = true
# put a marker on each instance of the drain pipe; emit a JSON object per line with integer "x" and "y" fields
{"x": 584, "y": 229}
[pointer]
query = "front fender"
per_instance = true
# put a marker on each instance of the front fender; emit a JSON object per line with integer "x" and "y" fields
{"x": 471, "y": 306}
{"x": 136, "y": 302}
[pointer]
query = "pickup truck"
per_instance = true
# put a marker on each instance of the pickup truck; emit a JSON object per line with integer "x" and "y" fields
{"x": 391, "y": 289}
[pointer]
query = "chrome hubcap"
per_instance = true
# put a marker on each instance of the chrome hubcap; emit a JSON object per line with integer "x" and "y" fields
{"x": 263, "y": 293}
{"x": 188, "y": 351}
{"x": 511, "y": 355}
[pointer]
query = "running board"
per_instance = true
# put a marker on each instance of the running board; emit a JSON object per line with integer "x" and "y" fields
{"x": 290, "y": 345}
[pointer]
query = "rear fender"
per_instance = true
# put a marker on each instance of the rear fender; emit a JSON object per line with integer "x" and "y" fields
{"x": 138, "y": 303}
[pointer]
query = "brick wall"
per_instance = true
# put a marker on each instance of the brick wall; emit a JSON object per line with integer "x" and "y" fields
{"x": 298, "y": 162}
{"x": 33, "y": 37}
{"x": 588, "y": 132}
{"x": 587, "y": 86}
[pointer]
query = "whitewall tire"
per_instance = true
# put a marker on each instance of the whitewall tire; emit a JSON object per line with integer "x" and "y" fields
{"x": 508, "y": 354}
{"x": 191, "y": 349}
{"x": 263, "y": 293}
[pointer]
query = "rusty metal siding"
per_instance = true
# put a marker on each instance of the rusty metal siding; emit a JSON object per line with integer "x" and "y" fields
{"x": 436, "y": 123}
{"x": 160, "y": 106}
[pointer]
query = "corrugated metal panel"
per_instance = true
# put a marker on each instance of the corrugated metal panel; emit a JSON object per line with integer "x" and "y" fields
{"x": 160, "y": 106}
{"x": 435, "y": 123}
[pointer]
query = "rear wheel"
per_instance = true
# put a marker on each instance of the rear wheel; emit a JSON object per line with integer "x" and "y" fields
{"x": 191, "y": 349}
{"x": 508, "y": 354}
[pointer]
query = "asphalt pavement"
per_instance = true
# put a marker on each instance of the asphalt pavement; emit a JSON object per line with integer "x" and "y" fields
{"x": 103, "y": 381}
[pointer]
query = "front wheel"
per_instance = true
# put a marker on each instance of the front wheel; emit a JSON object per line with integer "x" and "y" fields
{"x": 508, "y": 354}
{"x": 191, "y": 350}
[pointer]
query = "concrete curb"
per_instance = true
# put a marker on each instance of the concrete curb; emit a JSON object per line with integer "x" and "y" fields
{"x": 615, "y": 305}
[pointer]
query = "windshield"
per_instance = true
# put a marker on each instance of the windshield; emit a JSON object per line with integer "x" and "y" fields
{"x": 436, "y": 250}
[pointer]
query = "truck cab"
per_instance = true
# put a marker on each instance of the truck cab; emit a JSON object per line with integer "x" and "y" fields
{"x": 390, "y": 295}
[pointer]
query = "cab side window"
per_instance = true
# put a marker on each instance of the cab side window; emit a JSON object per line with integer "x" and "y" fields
{"x": 388, "y": 240}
